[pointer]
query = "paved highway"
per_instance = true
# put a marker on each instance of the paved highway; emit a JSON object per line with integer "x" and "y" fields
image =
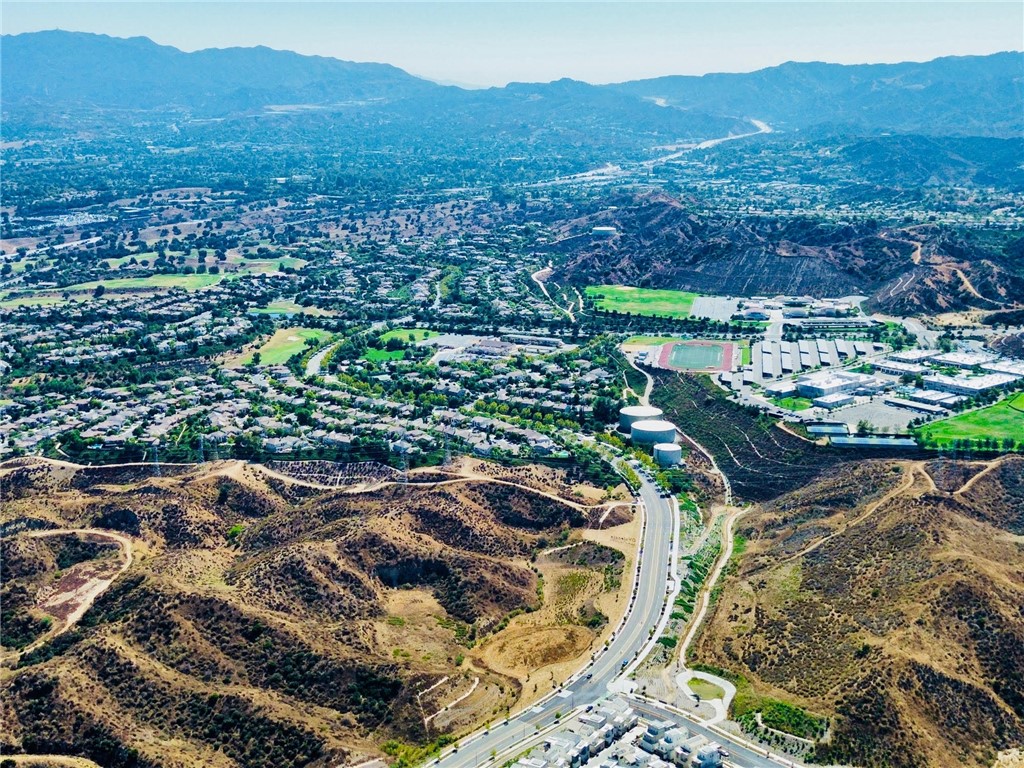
{"x": 591, "y": 684}
{"x": 606, "y": 674}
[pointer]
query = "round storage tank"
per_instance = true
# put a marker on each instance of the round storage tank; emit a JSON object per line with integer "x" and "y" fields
{"x": 668, "y": 454}
{"x": 650, "y": 432}
{"x": 631, "y": 414}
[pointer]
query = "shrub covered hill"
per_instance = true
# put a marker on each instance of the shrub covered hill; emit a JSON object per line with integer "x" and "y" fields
{"x": 886, "y": 596}
{"x": 259, "y": 622}
{"x": 663, "y": 242}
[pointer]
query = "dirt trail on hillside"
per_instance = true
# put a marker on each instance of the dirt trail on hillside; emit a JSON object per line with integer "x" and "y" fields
{"x": 989, "y": 466}
{"x": 914, "y": 473}
{"x": 87, "y": 594}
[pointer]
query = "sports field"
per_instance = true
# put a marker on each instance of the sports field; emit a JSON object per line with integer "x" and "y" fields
{"x": 642, "y": 301}
{"x": 692, "y": 356}
{"x": 285, "y": 343}
{"x": 999, "y": 422}
{"x": 696, "y": 356}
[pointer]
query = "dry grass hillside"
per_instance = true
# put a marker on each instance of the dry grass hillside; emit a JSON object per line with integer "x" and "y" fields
{"x": 665, "y": 242}
{"x": 888, "y": 598}
{"x": 259, "y": 620}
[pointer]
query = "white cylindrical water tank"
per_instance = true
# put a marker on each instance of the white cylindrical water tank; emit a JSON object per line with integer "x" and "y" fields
{"x": 668, "y": 454}
{"x": 650, "y": 432}
{"x": 634, "y": 413}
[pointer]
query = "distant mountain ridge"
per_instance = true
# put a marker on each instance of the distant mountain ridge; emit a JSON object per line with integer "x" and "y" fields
{"x": 74, "y": 69}
{"x": 952, "y": 96}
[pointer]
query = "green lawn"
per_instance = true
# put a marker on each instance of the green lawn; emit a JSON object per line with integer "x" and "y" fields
{"x": 380, "y": 355}
{"x": 417, "y": 334}
{"x": 287, "y": 306}
{"x": 285, "y": 343}
{"x": 116, "y": 262}
{"x": 651, "y": 339}
{"x": 1004, "y": 420}
{"x": 18, "y": 266}
{"x": 264, "y": 266}
{"x": 706, "y": 690}
{"x": 31, "y": 301}
{"x": 643, "y": 301}
{"x": 744, "y": 352}
{"x": 793, "y": 403}
{"x": 188, "y": 282}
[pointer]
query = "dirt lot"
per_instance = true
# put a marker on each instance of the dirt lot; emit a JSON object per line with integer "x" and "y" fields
{"x": 546, "y": 641}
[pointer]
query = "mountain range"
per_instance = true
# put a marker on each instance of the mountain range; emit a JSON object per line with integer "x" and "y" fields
{"x": 952, "y": 96}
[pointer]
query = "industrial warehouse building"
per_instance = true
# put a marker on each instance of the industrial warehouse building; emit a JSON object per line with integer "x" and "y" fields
{"x": 970, "y": 385}
{"x": 823, "y": 383}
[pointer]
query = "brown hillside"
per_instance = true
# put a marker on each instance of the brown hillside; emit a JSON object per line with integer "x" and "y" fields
{"x": 663, "y": 243}
{"x": 899, "y": 617}
{"x": 264, "y": 621}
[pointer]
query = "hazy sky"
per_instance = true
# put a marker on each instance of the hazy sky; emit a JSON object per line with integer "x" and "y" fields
{"x": 492, "y": 43}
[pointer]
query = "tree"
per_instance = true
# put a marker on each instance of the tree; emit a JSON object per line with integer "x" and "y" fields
{"x": 605, "y": 409}
{"x": 99, "y": 291}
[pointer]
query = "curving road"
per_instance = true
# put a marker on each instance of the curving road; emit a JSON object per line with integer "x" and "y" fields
{"x": 608, "y": 671}
{"x": 628, "y": 644}
{"x": 607, "y": 674}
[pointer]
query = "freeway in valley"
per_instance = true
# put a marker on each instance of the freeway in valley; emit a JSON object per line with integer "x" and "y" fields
{"x": 607, "y": 672}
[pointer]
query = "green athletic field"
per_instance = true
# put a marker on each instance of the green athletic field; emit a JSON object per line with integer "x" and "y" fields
{"x": 999, "y": 422}
{"x": 288, "y": 307}
{"x": 695, "y": 357}
{"x": 642, "y": 301}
